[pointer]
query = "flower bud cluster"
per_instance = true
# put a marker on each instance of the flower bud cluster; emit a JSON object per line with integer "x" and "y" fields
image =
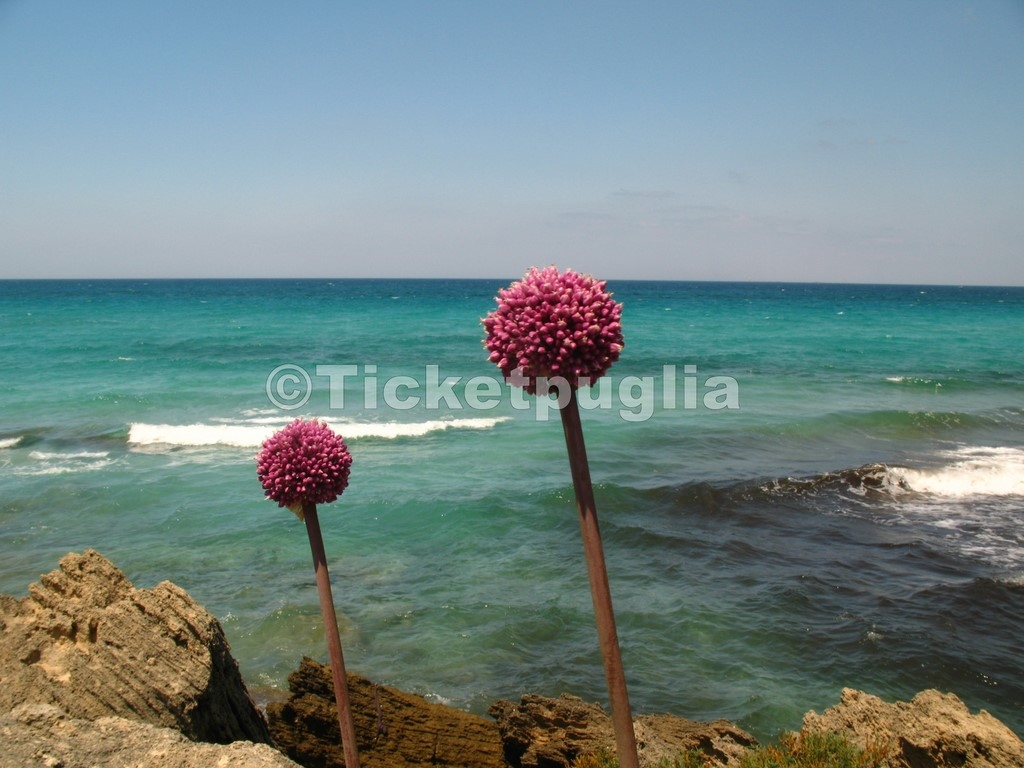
{"x": 304, "y": 462}
{"x": 554, "y": 324}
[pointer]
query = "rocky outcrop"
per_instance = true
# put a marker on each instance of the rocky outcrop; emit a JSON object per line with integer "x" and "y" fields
{"x": 934, "y": 730}
{"x": 42, "y": 736}
{"x": 541, "y": 732}
{"x": 397, "y": 729}
{"x": 394, "y": 729}
{"x": 96, "y": 672}
{"x": 89, "y": 643}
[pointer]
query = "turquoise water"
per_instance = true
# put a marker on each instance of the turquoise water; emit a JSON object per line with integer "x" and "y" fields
{"x": 800, "y": 487}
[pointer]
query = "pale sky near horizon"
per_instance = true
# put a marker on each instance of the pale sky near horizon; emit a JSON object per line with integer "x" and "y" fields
{"x": 867, "y": 141}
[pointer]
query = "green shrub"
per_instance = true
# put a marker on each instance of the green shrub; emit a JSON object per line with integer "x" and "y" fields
{"x": 690, "y": 758}
{"x": 814, "y": 750}
{"x": 600, "y": 759}
{"x": 794, "y": 750}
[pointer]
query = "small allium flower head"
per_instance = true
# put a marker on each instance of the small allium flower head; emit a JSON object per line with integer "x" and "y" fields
{"x": 554, "y": 324}
{"x": 303, "y": 462}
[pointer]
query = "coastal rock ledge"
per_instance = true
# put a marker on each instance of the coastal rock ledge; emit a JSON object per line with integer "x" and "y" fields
{"x": 96, "y": 672}
{"x": 42, "y": 736}
{"x": 544, "y": 732}
{"x": 933, "y": 730}
{"x": 395, "y": 729}
{"x": 86, "y": 645}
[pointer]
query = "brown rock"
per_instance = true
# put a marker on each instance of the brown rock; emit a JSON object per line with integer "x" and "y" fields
{"x": 42, "y": 736}
{"x": 393, "y": 728}
{"x": 665, "y": 736}
{"x": 88, "y": 642}
{"x": 934, "y": 730}
{"x": 541, "y": 732}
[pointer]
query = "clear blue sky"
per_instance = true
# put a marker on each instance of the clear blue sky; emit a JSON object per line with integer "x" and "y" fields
{"x": 862, "y": 140}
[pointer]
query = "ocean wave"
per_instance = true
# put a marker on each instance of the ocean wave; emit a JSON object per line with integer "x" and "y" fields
{"x": 894, "y": 423}
{"x": 916, "y": 381}
{"x": 61, "y": 463}
{"x": 971, "y": 471}
{"x": 58, "y": 456}
{"x": 252, "y": 435}
{"x": 62, "y": 469}
{"x": 961, "y": 473}
{"x": 978, "y": 380}
{"x": 913, "y": 423}
{"x": 9, "y": 442}
{"x": 869, "y": 480}
{"x": 1013, "y": 580}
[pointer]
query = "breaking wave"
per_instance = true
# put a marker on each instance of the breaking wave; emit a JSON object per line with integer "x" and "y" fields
{"x": 252, "y": 435}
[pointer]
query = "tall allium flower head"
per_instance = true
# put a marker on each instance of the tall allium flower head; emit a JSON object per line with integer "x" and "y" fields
{"x": 554, "y": 324}
{"x": 303, "y": 462}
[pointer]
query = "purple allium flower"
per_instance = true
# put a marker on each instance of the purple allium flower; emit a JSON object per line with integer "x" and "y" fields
{"x": 303, "y": 462}
{"x": 550, "y": 324}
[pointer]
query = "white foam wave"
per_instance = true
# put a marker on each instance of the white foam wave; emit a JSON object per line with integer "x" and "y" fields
{"x": 971, "y": 472}
{"x": 64, "y": 469}
{"x": 916, "y": 380}
{"x": 56, "y": 463}
{"x": 1014, "y": 580}
{"x": 254, "y": 412}
{"x": 395, "y": 429}
{"x": 252, "y": 435}
{"x": 199, "y": 435}
{"x": 57, "y": 456}
{"x": 9, "y": 442}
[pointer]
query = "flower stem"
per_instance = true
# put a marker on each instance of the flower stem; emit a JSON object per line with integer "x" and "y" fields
{"x": 323, "y": 585}
{"x": 618, "y": 696}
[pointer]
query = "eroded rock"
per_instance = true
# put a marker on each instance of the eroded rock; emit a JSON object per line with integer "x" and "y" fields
{"x": 43, "y": 736}
{"x": 543, "y": 732}
{"x": 934, "y": 730}
{"x": 89, "y": 643}
{"x": 394, "y": 729}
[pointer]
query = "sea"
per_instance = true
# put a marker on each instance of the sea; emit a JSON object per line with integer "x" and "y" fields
{"x": 800, "y": 487}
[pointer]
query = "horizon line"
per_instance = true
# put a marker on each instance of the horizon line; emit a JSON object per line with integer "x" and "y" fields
{"x": 720, "y": 281}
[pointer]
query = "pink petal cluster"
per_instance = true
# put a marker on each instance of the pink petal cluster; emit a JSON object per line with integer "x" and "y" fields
{"x": 554, "y": 324}
{"x": 304, "y": 462}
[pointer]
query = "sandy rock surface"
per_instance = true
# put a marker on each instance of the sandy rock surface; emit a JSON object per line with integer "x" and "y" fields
{"x": 543, "y": 732}
{"x": 42, "y": 736}
{"x": 89, "y": 643}
{"x": 933, "y": 730}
